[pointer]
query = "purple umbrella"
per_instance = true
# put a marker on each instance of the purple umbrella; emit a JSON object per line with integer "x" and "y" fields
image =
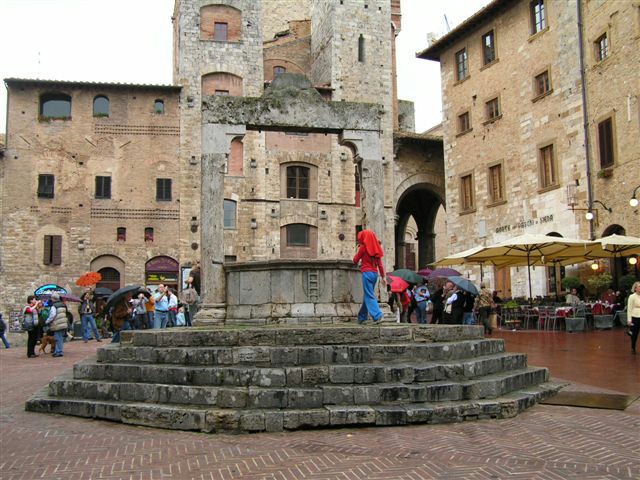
{"x": 443, "y": 272}
{"x": 424, "y": 272}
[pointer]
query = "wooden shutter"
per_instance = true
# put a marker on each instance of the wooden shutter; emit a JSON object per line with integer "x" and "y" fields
{"x": 47, "y": 250}
{"x": 56, "y": 249}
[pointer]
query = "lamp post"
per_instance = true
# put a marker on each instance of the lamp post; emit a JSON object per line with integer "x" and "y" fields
{"x": 634, "y": 200}
{"x": 590, "y": 215}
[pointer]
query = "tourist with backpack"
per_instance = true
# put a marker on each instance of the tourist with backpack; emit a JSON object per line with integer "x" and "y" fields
{"x": 30, "y": 324}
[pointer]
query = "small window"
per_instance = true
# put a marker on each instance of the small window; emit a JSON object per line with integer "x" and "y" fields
{"x": 163, "y": 189}
{"x": 361, "y": 48}
{"x": 538, "y": 16}
{"x": 277, "y": 70}
{"x": 121, "y": 234}
{"x": 45, "y": 186}
{"x": 462, "y": 65}
{"x": 466, "y": 193}
{"x": 605, "y": 142}
{"x": 488, "y": 48}
{"x": 297, "y": 235}
{"x": 148, "y": 235}
{"x": 298, "y": 182}
{"x": 52, "y": 250}
{"x": 229, "y": 214}
{"x": 158, "y": 107}
{"x": 464, "y": 122}
{"x": 602, "y": 47}
{"x": 103, "y": 187}
{"x": 221, "y": 93}
{"x": 542, "y": 84}
{"x": 548, "y": 176}
{"x": 493, "y": 109}
{"x": 55, "y": 105}
{"x": 221, "y": 31}
{"x": 496, "y": 187}
{"x": 101, "y": 106}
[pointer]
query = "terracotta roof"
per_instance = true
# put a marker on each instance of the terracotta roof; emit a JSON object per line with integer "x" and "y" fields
{"x": 433, "y": 51}
{"x": 69, "y": 83}
{"x": 399, "y": 135}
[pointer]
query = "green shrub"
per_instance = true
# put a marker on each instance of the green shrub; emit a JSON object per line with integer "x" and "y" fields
{"x": 626, "y": 282}
{"x": 570, "y": 282}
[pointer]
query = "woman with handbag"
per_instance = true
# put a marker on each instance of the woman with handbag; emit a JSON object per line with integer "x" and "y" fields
{"x": 30, "y": 324}
{"x": 633, "y": 315}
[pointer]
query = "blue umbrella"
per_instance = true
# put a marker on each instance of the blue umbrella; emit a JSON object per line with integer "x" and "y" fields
{"x": 464, "y": 284}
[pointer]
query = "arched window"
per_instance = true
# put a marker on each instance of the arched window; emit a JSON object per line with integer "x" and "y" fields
{"x": 230, "y": 208}
{"x": 236, "y": 158}
{"x": 110, "y": 278}
{"x": 101, "y": 106}
{"x": 298, "y": 182}
{"x": 158, "y": 106}
{"x": 222, "y": 83}
{"x": 55, "y": 105}
{"x": 277, "y": 70}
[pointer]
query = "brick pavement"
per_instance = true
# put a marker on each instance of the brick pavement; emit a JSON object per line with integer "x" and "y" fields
{"x": 545, "y": 442}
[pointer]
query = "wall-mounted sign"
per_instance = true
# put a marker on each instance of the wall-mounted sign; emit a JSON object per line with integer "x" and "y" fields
{"x": 531, "y": 222}
{"x": 48, "y": 289}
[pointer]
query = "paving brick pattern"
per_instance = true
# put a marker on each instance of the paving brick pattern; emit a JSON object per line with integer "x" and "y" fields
{"x": 545, "y": 442}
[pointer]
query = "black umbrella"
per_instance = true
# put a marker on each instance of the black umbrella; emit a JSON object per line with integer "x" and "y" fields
{"x": 119, "y": 294}
{"x": 102, "y": 292}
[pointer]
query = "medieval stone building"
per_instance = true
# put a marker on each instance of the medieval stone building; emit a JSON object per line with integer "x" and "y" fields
{"x": 235, "y": 164}
{"x": 541, "y": 125}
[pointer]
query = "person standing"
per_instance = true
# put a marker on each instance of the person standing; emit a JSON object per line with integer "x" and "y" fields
{"x": 438, "y": 306}
{"x": 173, "y": 308}
{"x": 139, "y": 305}
{"x": 484, "y": 304}
{"x": 189, "y": 298}
{"x": 3, "y": 329}
{"x": 161, "y": 307}
{"x": 30, "y": 316}
{"x": 421, "y": 296}
{"x": 87, "y": 310}
{"x": 369, "y": 255}
{"x": 58, "y": 323}
{"x": 151, "y": 308}
{"x": 633, "y": 315}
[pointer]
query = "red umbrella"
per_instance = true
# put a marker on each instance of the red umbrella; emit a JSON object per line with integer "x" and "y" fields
{"x": 397, "y": 284}
{"x": 88, "y": 279}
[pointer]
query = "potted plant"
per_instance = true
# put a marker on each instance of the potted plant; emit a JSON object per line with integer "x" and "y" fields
{"x": 605, "y": 173}
{"x": 570, "y": 282}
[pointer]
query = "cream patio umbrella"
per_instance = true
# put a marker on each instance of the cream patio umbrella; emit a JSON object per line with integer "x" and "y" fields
{"x": 531, "y": 249}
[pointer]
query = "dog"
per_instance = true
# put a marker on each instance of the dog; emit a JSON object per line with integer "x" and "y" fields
{"x": 47, "y": 340}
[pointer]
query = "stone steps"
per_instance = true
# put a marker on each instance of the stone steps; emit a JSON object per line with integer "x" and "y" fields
{"x": 306, "y": 375}
{"x": 316, "y": 396}
{"x": 213, "y": 420}
{"x": 273, "y": 378}
{"x": 263, "y": 355}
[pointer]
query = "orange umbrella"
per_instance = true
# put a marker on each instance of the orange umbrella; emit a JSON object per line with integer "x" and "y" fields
{"x": 88, "y": 279}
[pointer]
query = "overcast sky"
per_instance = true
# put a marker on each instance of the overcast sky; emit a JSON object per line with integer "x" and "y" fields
{"x": 130, "y": 41}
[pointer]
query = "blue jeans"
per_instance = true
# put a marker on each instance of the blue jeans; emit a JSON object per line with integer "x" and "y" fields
{"x": 421, "y": 312}
{"x": 4, "y": 340}
{"x": 116, "y": 335}
{"x": 160, "y": 319}
{"x": 59, "y": 337}
{"x": 89, "y": 325}
{"x": 467, "y": 319}
{"x": 369, "y": 302}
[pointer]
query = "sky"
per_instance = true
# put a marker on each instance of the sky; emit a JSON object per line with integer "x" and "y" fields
{"x": 130, "y": 41}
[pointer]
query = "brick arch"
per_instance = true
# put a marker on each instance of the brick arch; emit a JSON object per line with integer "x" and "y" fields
{"x": 225, "y": 14}
{"x": 269, "y": 63}
{"x": 222, "y": 81}
{"x": 108, "y": 261}
{"x": 298, "y": 218}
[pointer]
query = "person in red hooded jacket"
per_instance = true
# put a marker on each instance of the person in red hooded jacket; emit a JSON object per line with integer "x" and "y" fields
{"x": 369, "y": 256}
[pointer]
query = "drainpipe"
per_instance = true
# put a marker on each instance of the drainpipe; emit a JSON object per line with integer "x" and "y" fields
{"x": 583, "y": 84}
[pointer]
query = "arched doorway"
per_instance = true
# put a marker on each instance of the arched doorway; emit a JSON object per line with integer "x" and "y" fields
{"x": 162, "y": 270}
{"x": 112, "y": 270}
{"x": 618, "y": 266}
{"x": 416, "y": 211}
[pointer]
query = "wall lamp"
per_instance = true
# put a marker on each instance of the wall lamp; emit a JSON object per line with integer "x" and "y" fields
{"x": 589, "y": 215}
{"x": 634, "y": 200}
{"x": 343, "y": 216}
{"x": 633, "y": 260}
{"x": 194, "y": 224}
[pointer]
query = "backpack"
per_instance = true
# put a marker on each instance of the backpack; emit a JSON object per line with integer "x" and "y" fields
{"x": 189, "y": 295}
{"x": 28, "y": 322}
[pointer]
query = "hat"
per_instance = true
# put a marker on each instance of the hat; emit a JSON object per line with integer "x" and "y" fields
{"x": 55, "y": 297}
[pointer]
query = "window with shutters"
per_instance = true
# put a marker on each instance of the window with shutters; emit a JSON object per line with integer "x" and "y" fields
{"x": 467, "y": 200}
{"x": 103, "y": 187}
{"x": 548, "y": 169}
{"x": 496, "y": 184}
{"x": 163, "y": 189}
{"x": 605, "y": 143}
{"x": 52, "y": 250}
{"x": 45, "y": 185}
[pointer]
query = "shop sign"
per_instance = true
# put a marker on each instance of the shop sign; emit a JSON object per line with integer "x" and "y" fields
{"x": 48, "y": 289}
{"x": 531, "y": 222}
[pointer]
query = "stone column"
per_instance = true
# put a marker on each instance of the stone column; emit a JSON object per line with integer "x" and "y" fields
{"x": 216, "y": 145}
{"x": 426, "y": 248}
{"x": 367, "y": 146}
